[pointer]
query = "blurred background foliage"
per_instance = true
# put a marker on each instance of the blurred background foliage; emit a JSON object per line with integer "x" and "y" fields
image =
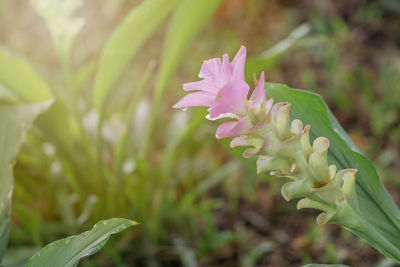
{"x": 127, "y": 153}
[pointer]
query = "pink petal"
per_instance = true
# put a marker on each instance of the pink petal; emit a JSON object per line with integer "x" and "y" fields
{"x": 243, "y": 126}
{"x": 210, "y": 68}
{"x": 221, "y": 116}
{"x": 197, "y": 99}
{"x": 232, "y": 98}
{"x": 238, "y": 64}
{"x": 234, "y": 128}
{"x": 259, "y": 95}
{"x": 225, "y": 128}
{"x": 270, "y": 103}
{"x": 225, "y": 75}
{"x": 203, "y": 85}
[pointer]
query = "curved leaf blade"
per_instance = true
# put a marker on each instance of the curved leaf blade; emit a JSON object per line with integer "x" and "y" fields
{"x": 15, "y": 119}
{"x": 125, "y": 42}
{"x": 31, "y": 88}
{"x": 68, "y": 251}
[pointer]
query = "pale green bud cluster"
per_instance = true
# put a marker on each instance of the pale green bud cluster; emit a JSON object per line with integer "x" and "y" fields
{"x": 284, "y": 150}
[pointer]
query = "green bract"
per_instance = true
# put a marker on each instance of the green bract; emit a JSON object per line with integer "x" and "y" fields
{"x": 283, "y": 149}
{"x": 372, "y": 208}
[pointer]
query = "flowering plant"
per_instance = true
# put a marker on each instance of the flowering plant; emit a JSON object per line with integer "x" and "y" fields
{"x": 283, "y": 149}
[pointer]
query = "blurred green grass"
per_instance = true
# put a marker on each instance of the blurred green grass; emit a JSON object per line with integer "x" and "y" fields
{"x": 198, "y": 202}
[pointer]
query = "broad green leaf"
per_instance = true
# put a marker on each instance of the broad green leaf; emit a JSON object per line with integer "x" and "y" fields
{"x": 67, "y": 252}
{"x": 63, "y": 27}
{"x": 379, "y": 211}
{"x": 15, "y": 119}
{"x": 189, "y": 19}
{"x": 269, "y": 57}
{"x": 125, "y": 42}
{"x": 6, "y": 96}
{"x": 17, "y": 76}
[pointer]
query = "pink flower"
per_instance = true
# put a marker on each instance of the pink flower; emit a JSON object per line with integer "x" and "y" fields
{"x": 221, "y": 81}
{"x": 224, "y": 90}
{"x": 233, "y": 98}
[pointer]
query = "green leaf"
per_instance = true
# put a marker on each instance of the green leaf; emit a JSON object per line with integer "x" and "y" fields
{"x": 68, "y": 251}
{"x": 17, "y": 76}
{"x": 125, "y": 42}
{"x": 15, "y": 119}
{"x": 189, "y": 19}
{"x": 374, "y": 203}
